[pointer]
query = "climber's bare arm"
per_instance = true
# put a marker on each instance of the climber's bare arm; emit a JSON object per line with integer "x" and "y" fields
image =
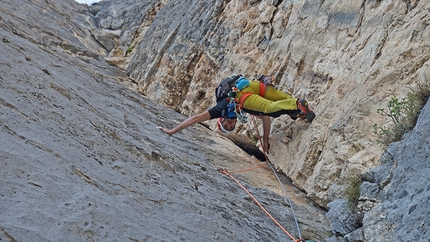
{"x": 188, "y": 122}
{"x": 266, "y": 132}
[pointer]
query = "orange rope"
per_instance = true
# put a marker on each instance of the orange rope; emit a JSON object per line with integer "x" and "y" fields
{"x": 267, "y": 161}
{"x": 224, "y": 171}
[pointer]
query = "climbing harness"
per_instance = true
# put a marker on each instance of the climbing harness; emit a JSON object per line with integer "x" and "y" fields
{"x": 225, "y": 172}
{"x": 235, "y": 106}
{"x": 229, "y": 88}
{"x": 262, "y": 91}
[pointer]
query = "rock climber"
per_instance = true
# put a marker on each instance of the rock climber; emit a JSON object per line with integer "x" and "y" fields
{"x": 263, "y": 101}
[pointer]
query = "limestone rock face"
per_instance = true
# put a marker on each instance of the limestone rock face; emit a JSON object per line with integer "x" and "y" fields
{"x": 342, "y": 220}
{"x": 82, "y": 159}
{"x": 407, "y": 187}
{"x": 347, "y": 58}
{"x": 393, "y": 195}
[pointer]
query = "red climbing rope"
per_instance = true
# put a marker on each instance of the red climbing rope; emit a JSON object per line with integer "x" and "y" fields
{"x": 225, "y": 172}
{"x": 274, "y": 172}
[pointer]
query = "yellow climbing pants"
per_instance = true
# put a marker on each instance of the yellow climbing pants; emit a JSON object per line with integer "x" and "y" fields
{"x": 274, "y": 102}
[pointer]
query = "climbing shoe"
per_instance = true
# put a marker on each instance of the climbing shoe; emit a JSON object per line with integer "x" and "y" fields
{"x": 305, "y": 112}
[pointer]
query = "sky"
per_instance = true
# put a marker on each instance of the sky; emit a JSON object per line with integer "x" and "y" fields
{"x": 88, "y": 2}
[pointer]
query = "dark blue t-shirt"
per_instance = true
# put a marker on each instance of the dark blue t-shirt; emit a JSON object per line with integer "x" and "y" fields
{"x": 218, "y": 109}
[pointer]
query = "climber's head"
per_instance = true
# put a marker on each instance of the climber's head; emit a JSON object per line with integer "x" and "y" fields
{"x": 226, "y": 125}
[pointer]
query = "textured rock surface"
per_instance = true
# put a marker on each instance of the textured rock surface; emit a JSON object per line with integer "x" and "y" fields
{"x": 348, "y": 58}
{"x": 82, "y": 160}
{"x": 400, "y": 209}
{"x": 395, "y": 196}
{"x": 342, "y": 220}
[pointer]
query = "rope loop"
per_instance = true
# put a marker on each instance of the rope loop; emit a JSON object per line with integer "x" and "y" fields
{"x": 223, "y": 171}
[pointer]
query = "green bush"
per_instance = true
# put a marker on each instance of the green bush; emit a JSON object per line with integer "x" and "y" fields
{"x": 403, "y": 114}
{"x": 352, "y": 192}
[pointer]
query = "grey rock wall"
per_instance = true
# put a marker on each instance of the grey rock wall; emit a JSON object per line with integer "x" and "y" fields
{"x": 394, "y": 198}
{"x": 82, "y": 160}
{"x": 399, "y": 209}
{"x": 348, "y": 58}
